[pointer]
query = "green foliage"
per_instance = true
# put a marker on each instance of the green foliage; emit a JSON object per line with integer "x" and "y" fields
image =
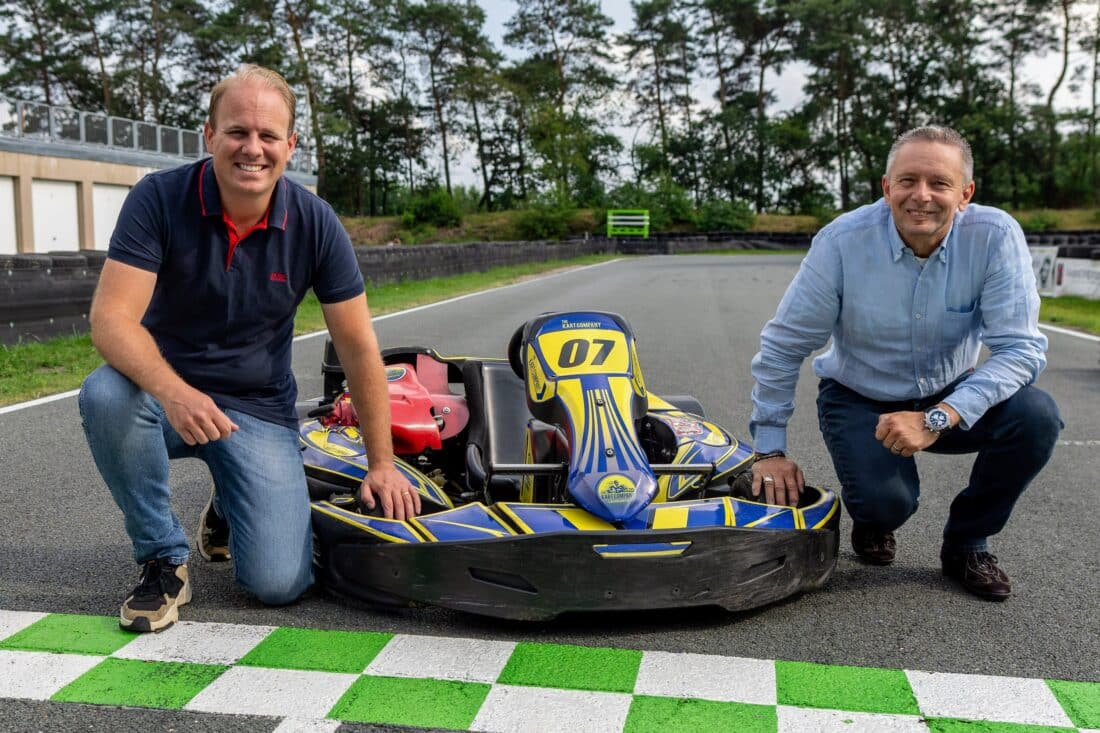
{"x": 436, "y": 208}
{"x": 400, "y": 92}
{"x": 1039, "y": 221}
{"x": 544, "y": 221}
{"x": 717, "y": 215}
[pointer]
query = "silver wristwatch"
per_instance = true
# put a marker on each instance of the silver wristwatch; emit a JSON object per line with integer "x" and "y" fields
{"x": 937, "y": 420}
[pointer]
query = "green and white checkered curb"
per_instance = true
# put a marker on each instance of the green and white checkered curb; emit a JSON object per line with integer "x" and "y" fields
{"x": 315, "y": 679}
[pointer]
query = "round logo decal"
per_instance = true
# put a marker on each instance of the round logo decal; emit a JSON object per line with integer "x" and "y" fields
{"x": 395, "y": 373}
{"x": 616, "y": 488}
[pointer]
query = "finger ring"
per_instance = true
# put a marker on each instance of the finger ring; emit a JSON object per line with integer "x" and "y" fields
{"x": 894, "y": 448}
{"x": 768, "y": 479}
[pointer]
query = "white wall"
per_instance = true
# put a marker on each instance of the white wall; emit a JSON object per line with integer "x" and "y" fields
{"x": 106, "y": 203}
{"x": 7, "y": 215}
{"x": 56, "y": 225}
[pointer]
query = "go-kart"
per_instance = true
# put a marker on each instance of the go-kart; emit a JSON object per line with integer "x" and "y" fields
{"x": 552, "y": 480}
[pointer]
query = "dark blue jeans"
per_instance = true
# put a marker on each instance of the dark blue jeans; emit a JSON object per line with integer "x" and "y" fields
{"x": 258, "y": 472}
{"x": 1013, "y": 440}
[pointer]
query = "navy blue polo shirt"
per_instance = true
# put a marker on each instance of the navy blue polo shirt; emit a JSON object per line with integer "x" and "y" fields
{"x": 221, "y": 313}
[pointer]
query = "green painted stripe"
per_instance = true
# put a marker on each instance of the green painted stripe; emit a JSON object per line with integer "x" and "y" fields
{"x": 671, "y": 714}
{"x": 1080, "y": 700}
{"x": 857, "y": 689}
{"x": 71, "y": 634}
{"x": 572, "y": 667}
{"x": 167, "y": 685}
{"x": 437, "y": 703}
{"x": 316, "y": 650}
{"x": 424, "y": 703}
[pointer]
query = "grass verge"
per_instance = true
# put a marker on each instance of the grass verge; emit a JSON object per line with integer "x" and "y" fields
{"x": 1072, "y": 311}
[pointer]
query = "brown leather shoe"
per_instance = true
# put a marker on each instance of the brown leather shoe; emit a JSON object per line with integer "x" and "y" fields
{"x": 877, "y": 548}
{"x": 977, "y": 572}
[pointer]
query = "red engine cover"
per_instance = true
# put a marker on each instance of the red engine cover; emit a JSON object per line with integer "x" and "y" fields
{"x": 414, "y": 426}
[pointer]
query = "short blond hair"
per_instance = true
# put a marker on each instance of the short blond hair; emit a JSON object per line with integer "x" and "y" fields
{"x": 252, "y": 72}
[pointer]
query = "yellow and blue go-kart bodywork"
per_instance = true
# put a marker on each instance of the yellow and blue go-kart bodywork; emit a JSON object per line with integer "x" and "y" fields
{"x": 557, "y": 483}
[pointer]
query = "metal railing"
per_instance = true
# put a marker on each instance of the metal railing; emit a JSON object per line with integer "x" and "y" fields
{"x": 51, "y": 123}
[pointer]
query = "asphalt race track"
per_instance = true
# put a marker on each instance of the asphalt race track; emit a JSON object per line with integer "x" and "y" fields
{"x": 697, "y": 320}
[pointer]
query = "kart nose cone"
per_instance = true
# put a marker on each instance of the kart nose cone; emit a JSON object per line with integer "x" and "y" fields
{"x": 615, "y": 496}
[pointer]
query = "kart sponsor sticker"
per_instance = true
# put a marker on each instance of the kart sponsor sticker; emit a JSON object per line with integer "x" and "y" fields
{"x": 616, "y": 488}
{"x": 395, "y": 373}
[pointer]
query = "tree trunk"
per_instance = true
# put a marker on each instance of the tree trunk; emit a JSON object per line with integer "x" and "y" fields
{"x": 437, "y": 102}
{"x": 1049, "y": 193}
{"x": 295, "y": 23}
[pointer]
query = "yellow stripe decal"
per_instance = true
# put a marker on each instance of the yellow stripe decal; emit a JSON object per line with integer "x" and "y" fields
{"x": 507, "y": 510}
{"x": 670, "y": 517}
{"x": 348, "y": 518}
{"x": 765, "y": 518}
{"x": 731, "y": 511}
{"x": 828, "y": 516}
{"x": 584, "y": 521}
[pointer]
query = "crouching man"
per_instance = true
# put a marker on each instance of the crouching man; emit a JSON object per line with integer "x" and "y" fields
{"x": 908, "y": 289}
{"x": 194, "y": 315}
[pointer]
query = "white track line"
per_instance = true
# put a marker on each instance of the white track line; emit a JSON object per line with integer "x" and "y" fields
{"x": 448, "y": 301}
{"x": 1068, "y": 332}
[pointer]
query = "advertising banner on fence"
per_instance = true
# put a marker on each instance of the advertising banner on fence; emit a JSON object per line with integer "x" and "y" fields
{"x": 1077, "y": 276}
{"x": 1043, "y": 262}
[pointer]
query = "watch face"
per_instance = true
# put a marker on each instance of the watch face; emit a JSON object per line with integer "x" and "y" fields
{"x": 937, "y": 420}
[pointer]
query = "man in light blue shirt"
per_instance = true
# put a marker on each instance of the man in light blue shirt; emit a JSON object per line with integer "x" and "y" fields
{"x": 909, "y": 288}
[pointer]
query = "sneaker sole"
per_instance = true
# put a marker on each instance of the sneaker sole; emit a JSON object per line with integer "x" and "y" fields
{"x": 211, "y": 557}
{"x": 145, "y": 625}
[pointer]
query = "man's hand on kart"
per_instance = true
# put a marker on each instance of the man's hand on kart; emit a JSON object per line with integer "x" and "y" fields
{"x": 388, "y": 486}
{"x": 195, "y": 416}
{"x": 778, "y": 479}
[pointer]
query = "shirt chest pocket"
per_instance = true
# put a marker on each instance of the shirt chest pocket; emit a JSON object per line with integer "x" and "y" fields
{"x": 957, "y": 327}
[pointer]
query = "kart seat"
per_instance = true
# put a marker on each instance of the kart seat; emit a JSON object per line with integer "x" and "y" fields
{"x": 496, "y": 399}
{"x": 433, "y": 375}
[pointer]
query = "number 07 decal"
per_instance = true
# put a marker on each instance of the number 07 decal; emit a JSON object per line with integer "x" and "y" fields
{"x": 574, "y": 352}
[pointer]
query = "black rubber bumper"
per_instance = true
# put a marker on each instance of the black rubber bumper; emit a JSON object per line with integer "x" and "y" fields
{"x": 538, "y": 577}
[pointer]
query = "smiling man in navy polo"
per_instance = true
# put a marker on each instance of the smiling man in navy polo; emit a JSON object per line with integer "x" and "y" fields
{"x": 194, "y": 315}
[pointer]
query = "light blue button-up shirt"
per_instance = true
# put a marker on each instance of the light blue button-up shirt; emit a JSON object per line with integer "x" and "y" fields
{"x": 902, "y": 329}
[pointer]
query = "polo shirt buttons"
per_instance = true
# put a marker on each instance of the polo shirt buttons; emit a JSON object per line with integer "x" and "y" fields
{"x": 918, "y": 316}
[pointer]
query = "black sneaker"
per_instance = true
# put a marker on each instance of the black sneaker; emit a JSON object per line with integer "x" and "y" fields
{"x": 154, "y": 604}
{"x": 212, "y": 539}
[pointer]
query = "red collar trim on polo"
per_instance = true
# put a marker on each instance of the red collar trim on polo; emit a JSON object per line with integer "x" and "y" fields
{"x": 235, "y": 238}
{"x": 210, "y": 203}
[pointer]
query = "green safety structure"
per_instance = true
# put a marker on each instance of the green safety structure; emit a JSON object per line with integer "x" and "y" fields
{"x": 628, "y": 223}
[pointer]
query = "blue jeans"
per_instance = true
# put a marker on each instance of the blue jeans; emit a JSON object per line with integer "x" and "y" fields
{"x": 257, "y": 470}
{"x": 1013, "y": 440}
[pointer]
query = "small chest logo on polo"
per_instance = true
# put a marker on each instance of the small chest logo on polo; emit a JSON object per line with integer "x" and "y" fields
{"x": 278, "y": 277}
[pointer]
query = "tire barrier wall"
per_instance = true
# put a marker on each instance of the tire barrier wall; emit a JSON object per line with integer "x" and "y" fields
{"x": 46, "y": 295}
